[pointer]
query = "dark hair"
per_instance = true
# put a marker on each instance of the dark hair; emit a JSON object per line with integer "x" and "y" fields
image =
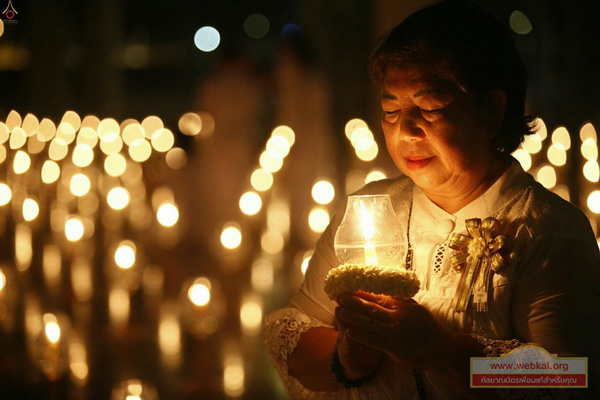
{"x": 462, "y": 43}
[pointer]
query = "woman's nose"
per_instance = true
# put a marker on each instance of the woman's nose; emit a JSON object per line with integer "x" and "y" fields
{"x": 409, "y": 129}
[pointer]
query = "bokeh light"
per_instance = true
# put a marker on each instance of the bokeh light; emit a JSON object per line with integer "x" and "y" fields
{"x": 118, "y": 198}
{"x": 207, "y": 38}
{"x": 199, "y": 292}
{"x": 21, "y": 162}
{"x": 318, "y": 219}
{"x": 272, "y": 242}
{"x": 167, "y": 214}
{"x": 352, "y": 125}
{"x": 270, "y": 163}
{"x": 190, "y": 124}
{"x": 50, "y": 172}
{"x": 256, "y": 26}
{"x": 163, "y": 140}
{"x": 519, "y": 23}
{"x": 176, "y": 158}
{"x": 593, "y": 202}
{"x": 74, "y": 229}
{"x": 31, "y": 209}
{"x": 557, "y": 155}
{"x": 523, "y": 157}
{"x": 323, "y": 192}
{"x": 588, "y": 131}
{"x": 231, "y": 236}
{"x": 261, "y": 180}
{"x": 83, "y": 155}
{"x": 589, "y": 149}
{"x": 140, "y": 150}
{"x": 5, "y": 194}
{"x": 125, "y": 254}
{"x": 547, "y": 176}
{"x": 80, "y": 184}
{"x": 591, "y": 171}
{"x": 250, "y": 203}
{"x": 375, "y": 174}
{"x": 305, "y": 261}
{"x": 561, "y": 136}
{"x": 251, "y": 315}
{"x": 115, "y": 165}
{"x": 285, "y": 132}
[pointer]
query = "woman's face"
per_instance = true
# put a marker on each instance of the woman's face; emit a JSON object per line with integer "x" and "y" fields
{"x": 435, "y": 134}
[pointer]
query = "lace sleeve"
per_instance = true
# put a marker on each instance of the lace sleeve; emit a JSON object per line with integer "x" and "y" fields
{"x": 497, "y": 347}
{"x": 281, "y": 335}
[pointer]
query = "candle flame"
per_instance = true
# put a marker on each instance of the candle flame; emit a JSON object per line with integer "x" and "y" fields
{"x": 52, "y": 332}
{"x": 366, "y": 222}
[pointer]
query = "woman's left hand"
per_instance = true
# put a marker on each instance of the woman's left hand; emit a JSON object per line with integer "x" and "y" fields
{"x": 403, "y": 329}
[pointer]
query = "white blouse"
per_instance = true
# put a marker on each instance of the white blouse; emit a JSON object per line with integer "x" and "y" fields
{"x": 551, "y": 281}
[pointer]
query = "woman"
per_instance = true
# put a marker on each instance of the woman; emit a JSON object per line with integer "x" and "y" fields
{"x": 453, "y": 90}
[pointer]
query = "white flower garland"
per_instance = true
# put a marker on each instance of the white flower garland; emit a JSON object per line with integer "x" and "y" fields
{"x": 375, "y": 279}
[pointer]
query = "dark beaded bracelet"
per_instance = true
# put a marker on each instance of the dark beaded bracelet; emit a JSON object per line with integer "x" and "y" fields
{"x": 338, "y": 373}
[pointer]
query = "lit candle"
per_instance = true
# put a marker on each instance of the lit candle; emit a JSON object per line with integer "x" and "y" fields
{"x": 368, "y": 230}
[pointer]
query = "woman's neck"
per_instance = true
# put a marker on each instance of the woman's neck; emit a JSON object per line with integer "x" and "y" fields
{"x": 453, "y": 201}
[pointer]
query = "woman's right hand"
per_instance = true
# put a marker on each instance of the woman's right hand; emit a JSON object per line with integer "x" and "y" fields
{"x": 357, "y": 359}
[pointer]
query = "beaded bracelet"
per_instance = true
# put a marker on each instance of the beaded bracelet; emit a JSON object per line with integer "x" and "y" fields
{"x": 338, "y": 373}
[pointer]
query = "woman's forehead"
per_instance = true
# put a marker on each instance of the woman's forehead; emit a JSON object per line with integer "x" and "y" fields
{"x": 414, "y": 79}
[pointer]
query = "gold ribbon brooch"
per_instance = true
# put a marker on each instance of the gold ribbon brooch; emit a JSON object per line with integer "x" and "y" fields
{"x": 480, "y": 252}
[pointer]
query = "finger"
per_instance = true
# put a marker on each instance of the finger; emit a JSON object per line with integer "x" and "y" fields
{"x": 385, "y": 301}
{"x": 352, "y": 319}
{"x": 368, "y": 308}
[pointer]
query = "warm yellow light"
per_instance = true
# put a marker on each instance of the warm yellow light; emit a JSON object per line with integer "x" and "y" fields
{"x": 162, "y": 195}
{"x": 23, "y": 247}
{"x": 108, "y": 129}
{"x": 375, "y": 175}
{"x": 31, "y": 209}
{"x": 90, "y": 121}
{"x": 169, "y": 333}
{"x": 305, "y": 262}
{"x": 74, "y": 229}
{"x": 593, "y": 202}
{"x": 262, "y": 276}
{"x": 251, "y": 315}
{"x": 250, "y": 203}
{"x": 80, "y": 184}
{"x": 35, "y": 145}
{"x": 31, "y": 124}
{"x": 167, "y": 214}
{"x": 2, "y": 280}
{"x": 318, "y": 219}
{"x": 361, "y": 138}
{"x": 21, "y": 162}
{"x": 115, "y": 165}
{"x": 523, "y": 157}
{"x": 13, "y": 119}
{"x": 278, "y": 147}
{"x": 73, "y": 119}
{"x": 591, "y": 171}
{"x": 52, "y": 331}
{"x": 208, "y": 124}
{"x": 151, "y": 124}
{"x": 269, "y": 163}
{"x": 588, "y": 132}
{"x": 118, "y": 198}
{"x": 369, "y": 154}
{"x": 17, "y": 138}
{"x": 272, "y": 242}
{"x": 278, "y": 216}
{"x": 557, "y": 155}
{"x": 58, "y": 149}
{"x": 78, "y": 361}
{"x": 532, "y": 144}
{"x": 541, "y": 131}
{"x": 323, "y": 192}
{"x": 261, "y": 180}
{"x": 50, "y": 172}
{"x": 352, "y": 125}
{"x": 589, "y": 149}
{"x": 81, "y": 279}
{"x": 125, "y": 254}
{"x": 83, "y": 155}
{"x": 133, "y": 132}
{"x": 163, "y": 140}
{"x": 561, "y": 136}
{"x": 4, "y": 133}
{"x": 190, "y": 124}
{"x": 285, "y": 132}
{"x": 87, "y": 136}
{"x": 111, "y": 147}
{"x": 199, "y": 294}
{"x": 65, "y": 132}
{"x": 176, "y": 158}
{"x": 140, "y": 150}
{"x": 5, "y": 194}
{"x": 119, "y": 306}
{"x": 231, "y": 236}
{"x": 547, "y": 176}
{"x": 46, "y": 130}
{"x": 233, "y": 376}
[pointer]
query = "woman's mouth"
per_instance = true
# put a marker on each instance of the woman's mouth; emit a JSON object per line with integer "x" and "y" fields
{"x": 416, "y": 162}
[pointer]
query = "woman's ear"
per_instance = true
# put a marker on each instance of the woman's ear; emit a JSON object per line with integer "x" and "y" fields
{"x": 495, "y": 105}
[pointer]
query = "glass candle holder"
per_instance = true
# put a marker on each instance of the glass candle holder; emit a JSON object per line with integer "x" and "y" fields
{"x": 370, "y": 233}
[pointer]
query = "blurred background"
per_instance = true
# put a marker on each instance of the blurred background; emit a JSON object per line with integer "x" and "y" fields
{"x": 167, "y": 166}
